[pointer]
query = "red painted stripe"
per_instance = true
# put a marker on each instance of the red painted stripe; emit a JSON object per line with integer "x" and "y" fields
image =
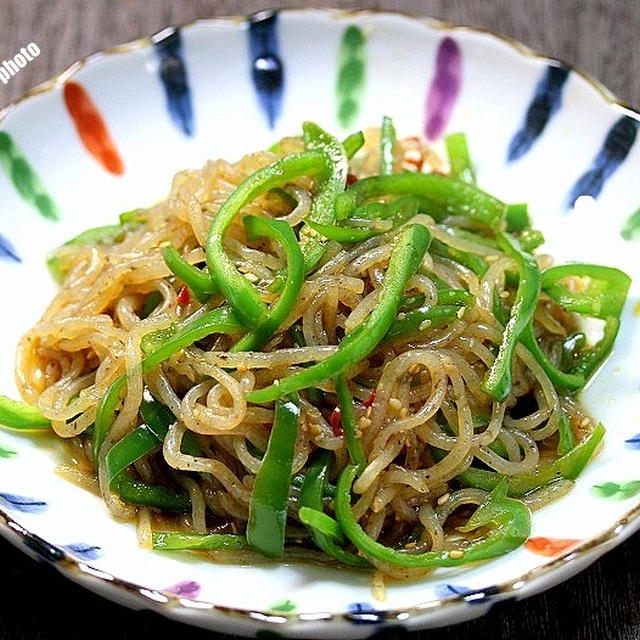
{"x": 91, "y": 128}
{"x": 549, "y": 547}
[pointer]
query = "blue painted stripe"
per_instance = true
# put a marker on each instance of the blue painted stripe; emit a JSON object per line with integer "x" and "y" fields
{"x": 267, "y": 71}
{"x": 23, "y": 503}
{"x": 7, "y": 250}
{"x": 84, "y": 550}
{"x": 612, "y": 154}
{"x": 173, "y": 74}
{"x": 546, "y": 101}
{"x": 634, "y": 442}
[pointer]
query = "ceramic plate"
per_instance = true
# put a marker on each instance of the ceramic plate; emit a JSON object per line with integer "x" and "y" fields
{"x": 108, "y": 134}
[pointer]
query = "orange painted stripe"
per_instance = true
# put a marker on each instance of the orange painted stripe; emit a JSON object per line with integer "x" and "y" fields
{"x": 91, "y": 128}
{"x": 549, "y": 547}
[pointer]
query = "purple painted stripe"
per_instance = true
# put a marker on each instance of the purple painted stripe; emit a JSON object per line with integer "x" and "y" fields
{"x": 444, "y": 89}
{"x": 184, "y": 589}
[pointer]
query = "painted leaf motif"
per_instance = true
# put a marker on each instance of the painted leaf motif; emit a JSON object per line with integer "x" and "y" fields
{"x": 631, "y": 229}
{"x": 92, "y": 128}
{"x": 351, "y": 75}
{"x": 86, "y": 551}
{"x": 615, "y": 490}
{"x": 634, "y": 441}
{"x": 185, "y": 589}
{"x": 24, "y": 178}
{"x": 7, "y": 250}
{"x": 549, "y": 547}
{"x": 444, "y": 88}
{"x": 26, "y": 504}
{"x": 285, "y": 605}
{"x": 448, "y": 590}
{"x": 5, "y": 452}
{"x": 364, "y": 613}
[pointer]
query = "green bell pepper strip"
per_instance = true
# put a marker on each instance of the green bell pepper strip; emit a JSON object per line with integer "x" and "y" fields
{"x": 604, "y": 294}
{"x": 268, "y": 504}
{"x": 282, "y": 233}
{"x": 345, "y": 235}
{"x": 511, "y": 520}
{"x": 570, "y": 347}
{"x": 406, "y": 257}
{"x": 178, "y": 541}
{"x": 568, "y": 467}
{"x": 446, "y": 196}
{"x": 497, "y": 383}
{"x": 200, "y": 284}
{"x": 239, "y": 292}
{"x": 410, "y": 322}
{"x": 345, "y": 400}
{"x": 517, "y": 217}
{"x": 352, "y": 144}
{"x": 145, "y": 439}
{"x": 457, "y": 297}
{"x": 142, "y": 441}
{"x": 566, "y": 439}
{"x": 133, "y": 215}
{"x": 107, "y": 234}
{"x": 310, "y": 500}
{"x": 530, "y": 239}
{"x": 387, "y": 146}
{"x": 22, "y": 416}
{"x": 158, "y": 346}
{"x": 151, "y": 495}
{"x": 322, "y": 523}
{"x": 571, "y": 381}
{"x": 316, "y": 139}
{"x": 587, "y": 361}
{"x": 459, "y": 158}
{"x": 150, "y": 304}
{"x": 472, "y": 261}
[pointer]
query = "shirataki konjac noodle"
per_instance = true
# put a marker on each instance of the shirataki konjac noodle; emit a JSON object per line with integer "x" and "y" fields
{"x": 340, "y": 351}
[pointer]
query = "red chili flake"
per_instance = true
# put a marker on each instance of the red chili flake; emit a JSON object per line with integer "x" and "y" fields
{"x": 549, "y": 547}
{"x": 370, "y": 400}
{"x": 351, "y": 179}
{"x": 183, "y": 296}
{"x": 414, "y": 158}
{"x": 336, "y": 422}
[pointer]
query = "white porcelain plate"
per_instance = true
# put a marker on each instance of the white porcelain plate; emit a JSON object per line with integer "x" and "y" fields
{"x": 107, "y": 136}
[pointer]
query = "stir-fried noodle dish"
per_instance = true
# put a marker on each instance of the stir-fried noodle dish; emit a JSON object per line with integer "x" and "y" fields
{"x": 339, "y": 351}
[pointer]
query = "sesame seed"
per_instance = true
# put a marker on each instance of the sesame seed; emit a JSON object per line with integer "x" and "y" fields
{"x": 395, "y": 404}
{"x": 251, "y": 277}
{"x": 364, "y": 422}
{"x": 585, "y": 422}
{"x": 504, "y": 294}
{"x": 276, "y": 383}
{"x": 414, "y": 368}
{"x": 443, "y": 498}
{"x": 404, "y": 412}
{"x": 460, "y": 312}
{"x": 424, "y": 325}
{"x": 456, "y": 553}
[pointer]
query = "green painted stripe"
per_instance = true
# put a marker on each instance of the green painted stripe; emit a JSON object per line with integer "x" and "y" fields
{"x": 351, "y": 75}
{"x": 5, "y": 452}
{"x": 25, "y": 179}
{"x": 631, "y": 228}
